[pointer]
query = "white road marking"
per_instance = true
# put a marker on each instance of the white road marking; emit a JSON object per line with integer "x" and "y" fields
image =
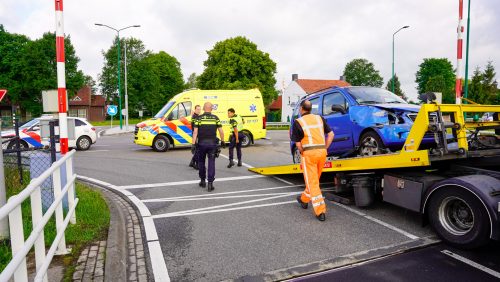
{"x": 197, "y": 211}
{"x": 472, "y": 263}
{"x": 94, "y": 151}
{"x": 244, "y": 164}
{"x": 223, "y": 210}
{"x": 160, "y": 272}
{"x": 228, "y": 193}
{"x": 100, "y": 133}
{"x": 140, "y": 186}
{"x": 283, "y": 180}
{"x": 218, "y": 198}
{"x": 96, "y": 145}
{"x": 158, "y": 262}
{"x": 392, "y": 227}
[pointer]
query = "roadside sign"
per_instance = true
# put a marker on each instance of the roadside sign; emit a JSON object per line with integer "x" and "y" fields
{"x": 112, "y": 110}
{"x": 2, "y": 93}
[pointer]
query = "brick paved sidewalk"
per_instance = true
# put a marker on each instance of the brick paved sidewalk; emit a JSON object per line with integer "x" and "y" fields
{"x": 95, "y": 262}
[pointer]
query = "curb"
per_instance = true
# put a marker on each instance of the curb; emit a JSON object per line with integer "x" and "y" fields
{"x": 126, "y": 238}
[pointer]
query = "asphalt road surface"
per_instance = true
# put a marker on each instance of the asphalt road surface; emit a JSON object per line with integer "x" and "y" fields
{"x": 250, "y": 227}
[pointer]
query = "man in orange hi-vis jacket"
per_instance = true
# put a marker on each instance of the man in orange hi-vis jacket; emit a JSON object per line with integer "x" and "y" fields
{"x": 309, "y": 136}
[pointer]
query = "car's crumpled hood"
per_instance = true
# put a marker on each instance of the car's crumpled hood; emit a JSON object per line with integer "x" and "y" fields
{"x": 398, "y": 107}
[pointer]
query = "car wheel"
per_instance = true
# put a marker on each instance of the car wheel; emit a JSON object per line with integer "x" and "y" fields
{"x": 161, "y": 143}
{"x": 83, "y": 143}
{"x": 459, "y": 218}
{"x": 22, "y": 145}
{"x": 370, "y": 144}
{"x": 246, "y": 140}
{"x": 296, "y": 156}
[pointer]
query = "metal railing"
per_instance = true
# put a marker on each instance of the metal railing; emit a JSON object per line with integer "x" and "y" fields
{"x": 20, "y": 248}
{"x": 281, "y": 125}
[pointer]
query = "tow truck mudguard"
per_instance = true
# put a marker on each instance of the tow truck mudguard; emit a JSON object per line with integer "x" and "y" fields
{"x": 486, "y": 188}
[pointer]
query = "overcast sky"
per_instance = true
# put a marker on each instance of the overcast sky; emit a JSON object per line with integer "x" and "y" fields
{"x": 312, "y": 38}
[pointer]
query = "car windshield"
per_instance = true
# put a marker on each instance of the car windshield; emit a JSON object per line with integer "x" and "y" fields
{"x": 164, "y": 110}
{"x": 372, "y": 95}
{"x": 29, "y": 123}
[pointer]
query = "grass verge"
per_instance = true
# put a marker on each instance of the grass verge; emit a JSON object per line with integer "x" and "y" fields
{"x": 116, "y": 122}
{"x": 92, "y": 223}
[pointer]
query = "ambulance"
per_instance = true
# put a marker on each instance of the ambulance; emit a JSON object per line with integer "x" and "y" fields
{"x": 171, "y": 126}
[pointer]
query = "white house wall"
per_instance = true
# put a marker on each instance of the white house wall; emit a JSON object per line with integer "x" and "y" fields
{"x": 291, "y": 96}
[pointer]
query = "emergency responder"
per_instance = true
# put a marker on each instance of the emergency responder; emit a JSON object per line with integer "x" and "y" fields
{"x": 194, "y": 159}
{"x": 309, "y": 136}
{"x": 205, "y": 138}
{"x": 235, "y": 140}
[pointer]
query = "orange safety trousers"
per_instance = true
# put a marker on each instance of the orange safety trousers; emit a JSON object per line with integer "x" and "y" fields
{"x": 312, "y": 163}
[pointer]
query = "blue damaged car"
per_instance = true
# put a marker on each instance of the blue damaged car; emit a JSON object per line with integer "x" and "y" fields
{"x": 365, "y": 120}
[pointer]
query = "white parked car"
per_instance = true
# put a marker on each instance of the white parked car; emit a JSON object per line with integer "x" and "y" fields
{"x": 29, "y": 133}
{"x": 487, "y": 117}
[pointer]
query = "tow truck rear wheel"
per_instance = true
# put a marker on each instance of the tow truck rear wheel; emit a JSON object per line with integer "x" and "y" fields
{"x": 161, "y": 143}
{"x": 370, "y": 144}
{"x": 459, "y": 217}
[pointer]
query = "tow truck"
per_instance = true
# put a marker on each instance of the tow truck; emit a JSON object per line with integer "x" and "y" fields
{"x": 454, "y": 185}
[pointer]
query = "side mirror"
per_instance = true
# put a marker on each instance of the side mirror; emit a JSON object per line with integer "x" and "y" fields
{"x": 338, "y": 109}
{"x": 170, "y": 116}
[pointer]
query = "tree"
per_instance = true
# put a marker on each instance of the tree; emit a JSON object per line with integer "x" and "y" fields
{"x": 440, "y": 71}
{"x": 237, "y": 63}
{"x": 397, "y": 87}
{"x": 475, "y": 91}
{"x": 361, "y": 72}
{"x": 89, "y": 81}
{"x": 489, "y": 84}
{"x": 108, "y": 79}
{"x": 157, "y": 78}
{"x": 191, "y": 81}
{"x": 29, "y": 67}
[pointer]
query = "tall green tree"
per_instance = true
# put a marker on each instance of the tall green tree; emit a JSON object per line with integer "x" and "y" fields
{"x": 108, "y": 79}
{"x": 29, "y": 67}
{"x": 361, "y": 72}
{"x": 191, "y": 81}
{"x": 397, "y": 87}
{"x": 490, "y": 85}
{"x": 157, "y": 78}
{"x": 475, "y": 91}
{"x": 442, "y": 76}
{"x": 237, "y": 63}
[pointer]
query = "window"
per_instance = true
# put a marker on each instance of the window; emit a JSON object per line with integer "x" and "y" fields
{"x": 73, "y": 112}
{"x": 333, "y": 99}
{"x": 371, "y": 95}
{"x": 315, "y": 106}
{"x": 82, "y": 113}
{"x": 184, "y": 109}
{"x": 79, "y": 123}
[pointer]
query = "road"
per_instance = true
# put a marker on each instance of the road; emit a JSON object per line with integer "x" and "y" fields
{"x": 250, "y": 226}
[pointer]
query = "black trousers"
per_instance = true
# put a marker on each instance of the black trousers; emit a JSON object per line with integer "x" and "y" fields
{"x": 232, "y": 144}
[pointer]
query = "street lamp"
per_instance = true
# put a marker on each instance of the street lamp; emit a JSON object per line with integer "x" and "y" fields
{"x": 119, "y": 92}
{"x": 406, "y": 26}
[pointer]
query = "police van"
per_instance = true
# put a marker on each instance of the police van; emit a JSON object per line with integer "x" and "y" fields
{"x": 171, "y": 126}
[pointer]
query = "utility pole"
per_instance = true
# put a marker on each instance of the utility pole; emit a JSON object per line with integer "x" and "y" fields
{"x": 459, "y": 77}
{"x": 406, "y": 26}
{"x": 126, "y": 91}
{"x": 4, "y": 223}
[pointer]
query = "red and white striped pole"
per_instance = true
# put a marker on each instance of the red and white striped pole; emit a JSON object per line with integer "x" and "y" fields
{"x": 460, "y": 30}
{"x": 61, "y": 78}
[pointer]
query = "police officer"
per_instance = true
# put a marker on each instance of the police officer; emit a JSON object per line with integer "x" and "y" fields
{"x": 205, "y": 134}
{"x": 235, "y": 140}
{"x": 194, "y": 159}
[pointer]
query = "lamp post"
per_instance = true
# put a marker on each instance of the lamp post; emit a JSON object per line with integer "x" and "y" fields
{"x": 119, "y": 92}
{"x": 406, "y": 26}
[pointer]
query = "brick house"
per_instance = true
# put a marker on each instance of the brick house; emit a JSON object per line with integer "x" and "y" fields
{"x": 86, "y": 105}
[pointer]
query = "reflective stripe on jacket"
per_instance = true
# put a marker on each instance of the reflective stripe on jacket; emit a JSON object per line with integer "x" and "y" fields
{"x": 313, "y": 128}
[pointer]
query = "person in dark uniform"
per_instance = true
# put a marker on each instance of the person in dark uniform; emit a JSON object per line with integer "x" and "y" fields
{"x": 194, "y": 159}
{"x": 205, "y": 138}
{"x": 235, "y": 140}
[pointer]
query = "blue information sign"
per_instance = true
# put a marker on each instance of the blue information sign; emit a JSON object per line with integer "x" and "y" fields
{"x": 112, "y": 110}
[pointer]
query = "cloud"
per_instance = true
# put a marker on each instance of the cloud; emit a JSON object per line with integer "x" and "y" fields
{"x": 312, "y": 38}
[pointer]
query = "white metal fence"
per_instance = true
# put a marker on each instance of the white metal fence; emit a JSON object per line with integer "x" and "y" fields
{"x": 279, "y": 125}
{"x": 20, "y": 248}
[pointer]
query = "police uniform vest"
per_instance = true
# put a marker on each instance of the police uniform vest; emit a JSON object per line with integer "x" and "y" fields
{"x": 207, "y": 125}
{"x": 314, "y": 135}
{"x": 237, "y": 122}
